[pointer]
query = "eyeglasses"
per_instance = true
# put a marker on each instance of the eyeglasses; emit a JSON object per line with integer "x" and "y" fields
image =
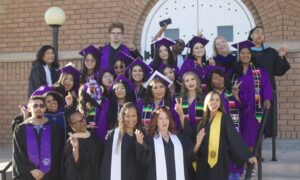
{"x": 119, "y": 67}
{"x": 38, "y": 105}
{"x": 116, "y": 33}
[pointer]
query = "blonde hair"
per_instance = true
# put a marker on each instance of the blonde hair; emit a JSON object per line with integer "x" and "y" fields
{"x": 215, "y": 53}
{"x": 183, "y": 91}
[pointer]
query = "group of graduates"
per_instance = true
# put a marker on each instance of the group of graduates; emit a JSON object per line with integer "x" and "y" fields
{"x": 119, "y": 118}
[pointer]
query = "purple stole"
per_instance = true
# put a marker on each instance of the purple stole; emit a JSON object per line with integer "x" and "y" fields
{"x": 104, "y": 62}
{"x": 39, "y": 154}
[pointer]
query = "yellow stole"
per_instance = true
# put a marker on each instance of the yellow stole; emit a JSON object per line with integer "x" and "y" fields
{"x": 214, "y": 140}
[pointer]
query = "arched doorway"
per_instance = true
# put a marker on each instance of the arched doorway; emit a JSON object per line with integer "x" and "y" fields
{"x": 229, "y": 18}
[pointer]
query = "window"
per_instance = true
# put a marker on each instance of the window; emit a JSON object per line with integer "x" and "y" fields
{"x": 226, "y": 32}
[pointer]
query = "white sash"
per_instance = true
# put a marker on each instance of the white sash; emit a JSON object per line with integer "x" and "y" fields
{"x": 115, "y": 169}
{"x": 160, "y": 159}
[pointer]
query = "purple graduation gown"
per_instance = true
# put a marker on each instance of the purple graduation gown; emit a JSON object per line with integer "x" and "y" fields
{"x": 249, "y": 126}
{"x": 105, "y": 61}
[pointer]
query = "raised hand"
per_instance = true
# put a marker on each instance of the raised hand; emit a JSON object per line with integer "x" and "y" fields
{"x": 69, "y": 98}
{"x": 211, "y": 61}
{"x": 139, "y": 136}
{"x": 253, "y": 160}
{"x": 282, "y": 52}
{"x": 37, "y": 174}
{"x": 236, "y": 89}
{"x": 132, "y": 47}
{"x": 25, "y": 111}
{"x": 74, "y": 141}
{"x": 178, "y": 106}
{"x": 267, "y": 104}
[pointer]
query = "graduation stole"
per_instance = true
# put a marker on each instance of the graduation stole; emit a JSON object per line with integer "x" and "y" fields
{"x": 257, "y": 81}
{"x": 234, "y": 111}
{"x": 160, "y": 158}
{"x": 214, "y": 140}
{"x": 198, "y": 111}
{"x": 147, "y": 111}
{"x": 40, "y": 154}
{"x": 115, "y": 168}
{"x": 92, "y": 114}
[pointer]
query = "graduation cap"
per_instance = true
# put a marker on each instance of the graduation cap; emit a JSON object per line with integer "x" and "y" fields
{"x": 164, "y": 41}
{"x": 69, "y": 68}
{"x": 93, "y": 89}
{"x": 157, "y": 74}
{"x": 91, "y": 49}
{"x": 139, "y": 62}
{"x": 121, "y": 55}
{"x": 188, "y": 65}
{"x": 163, "y": 66}
{"x": 196, "y": 39}
{"x": 47, "y": 90}
{"x": 243, "y": 44}
{"x": 123, "y": 79}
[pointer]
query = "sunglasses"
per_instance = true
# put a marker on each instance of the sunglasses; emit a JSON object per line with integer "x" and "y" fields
{"x": 119, "y": 67}
{"x": 35, "y": 106}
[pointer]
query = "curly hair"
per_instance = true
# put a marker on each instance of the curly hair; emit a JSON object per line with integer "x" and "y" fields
{"x": 149, "y": 95}
{"x": 40, "y": 55}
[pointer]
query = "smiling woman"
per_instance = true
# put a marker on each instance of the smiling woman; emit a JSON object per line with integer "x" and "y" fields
{"x": 43, "y": 71}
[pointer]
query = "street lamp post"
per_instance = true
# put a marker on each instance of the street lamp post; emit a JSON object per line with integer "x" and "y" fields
{"x": 55, "y": 17}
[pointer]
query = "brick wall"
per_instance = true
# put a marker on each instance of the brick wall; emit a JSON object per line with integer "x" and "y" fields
{"x": 23, "y": 30}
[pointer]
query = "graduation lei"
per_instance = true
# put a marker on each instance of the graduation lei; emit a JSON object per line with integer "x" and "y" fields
{"x": 198, "y": 110}
{"x": 234, "y": 111}
{"x": 257, "y": 81}
{"x": 147, "y": 111}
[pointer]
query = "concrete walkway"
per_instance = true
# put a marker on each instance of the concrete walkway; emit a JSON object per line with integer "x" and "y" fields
{"x": 286, "y": 168}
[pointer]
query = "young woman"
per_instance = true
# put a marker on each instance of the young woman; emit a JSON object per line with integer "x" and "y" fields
{"x": 121, "y": 62}
{"x": 163, "y": 54}
{"x": 172, "y": 74}
{"x": 120, "y": 161}
{"x": 138, "y": 72}
{"x": 164, "y": 152}
{"x": 121, "y": 91}
{"x": 106, "y": 78}
{"x": 90, "y": 64}
{"x": 218, "y": 142}
{"x": 43, "y": 70}
{"x": 276, "y": 64}
{"x": 197, "y": 56}
{"x": 255, "y": 92}
{"x": 157, "y": 96}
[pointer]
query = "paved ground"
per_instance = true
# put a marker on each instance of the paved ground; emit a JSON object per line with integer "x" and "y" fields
{"x": 286, "y": 168}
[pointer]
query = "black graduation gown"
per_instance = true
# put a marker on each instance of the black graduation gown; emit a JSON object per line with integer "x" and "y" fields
{"x": 21, "y": 164}
{"x": 130, "y": 168}
{"x": 89, "y": 161}
{"x": 37, "y": 77}
{"x": 231, "y": 147}
{"x": 146, "y": 156}
{"x": 275, "y": 66}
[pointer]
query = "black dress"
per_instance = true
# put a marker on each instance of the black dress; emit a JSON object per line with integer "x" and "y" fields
{"x": 130, "y": 168}
{"x": 146, "y": 155}
{"x": 89, "y": 161}
{"x": 275, "y": 66}
{"x": 231, "y": 147}
{"x": 21, "y": 164}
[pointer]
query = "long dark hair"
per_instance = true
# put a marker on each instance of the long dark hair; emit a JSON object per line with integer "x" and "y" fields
{"x": 206, "y": 111}
{"x": 40, "y": 55}
{"x": 157, "y": 60}
{"x": 84, "y": 69}
{"x": 113, "y": 105}
{"x": 238, "y": 68}
{"x": 251, "y": 32}
{"x": 191, "y": 56}
{"x": 83, "y": 100}
{"x": 149, "y": 96}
